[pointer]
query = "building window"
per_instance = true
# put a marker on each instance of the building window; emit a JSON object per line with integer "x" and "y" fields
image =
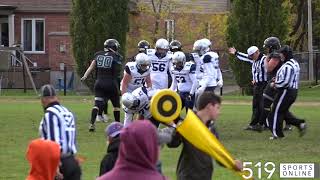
{"x": 32, "y": 34}
{"x": 169, "y": 29}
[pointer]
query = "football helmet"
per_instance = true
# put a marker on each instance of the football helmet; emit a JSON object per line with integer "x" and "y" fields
{"x": 200, "y": 47}
{"x": 143, "y": 61}
{"x": 272, "y": 43}
{"x": 178, "y": 60}
{"x": 175, "y": 46}
{"x": 143, "y": 45}
{"x": 129, "y": 100}
{"x": 111, "y": 44}
{"x": 162, "y": 44}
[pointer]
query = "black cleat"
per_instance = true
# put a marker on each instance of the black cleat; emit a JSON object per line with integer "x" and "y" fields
{"x": 92, "y": 128}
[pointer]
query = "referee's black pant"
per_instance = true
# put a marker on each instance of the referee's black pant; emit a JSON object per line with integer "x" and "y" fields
{"x": 70, "y": 168}
{"x": 257, "y": 106}
{"x": 280, "y": 109}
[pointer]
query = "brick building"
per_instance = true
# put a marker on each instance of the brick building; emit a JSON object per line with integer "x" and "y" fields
{"x": 42, "y": 30}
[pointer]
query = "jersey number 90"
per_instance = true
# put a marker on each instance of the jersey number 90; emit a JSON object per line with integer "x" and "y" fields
{"x": 104, "y": 61}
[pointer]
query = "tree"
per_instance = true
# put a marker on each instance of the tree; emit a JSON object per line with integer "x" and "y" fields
{"x": 299, "y": 22}
{"x": 249, "y": 23}
{"x": 92, "y": 22}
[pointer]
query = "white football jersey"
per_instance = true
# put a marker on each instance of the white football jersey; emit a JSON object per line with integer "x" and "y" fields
{"x": 159, "y": 70}
{"x": 210, "y": 65}
{"x": 185, "y": 79}
{"x": 137, "y": 78}
{"x": 197, "y": 60}
{"x": 144, "y": 95}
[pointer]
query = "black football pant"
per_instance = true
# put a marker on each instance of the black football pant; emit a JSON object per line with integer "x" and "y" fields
{"x": 269, "y": 94}
{"x": 280, "y": 109}
{"x": 257, "y": 105}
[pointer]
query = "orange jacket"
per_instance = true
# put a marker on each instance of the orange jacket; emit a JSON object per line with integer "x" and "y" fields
{"x": 44, "y": 158}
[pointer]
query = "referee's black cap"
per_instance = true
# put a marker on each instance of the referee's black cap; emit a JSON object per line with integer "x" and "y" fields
{"x": 47, "y": 90}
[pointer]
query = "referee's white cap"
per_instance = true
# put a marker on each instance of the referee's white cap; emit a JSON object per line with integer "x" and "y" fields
{"x": 47, "y": 90}
{"x": 251, "y": 50}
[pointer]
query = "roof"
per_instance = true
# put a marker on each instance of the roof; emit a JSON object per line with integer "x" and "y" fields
{"x": 7, "y": 7}
{"x": 46, "y": 5}
{"x": 198, "y": 6}
{"x": 39, "y": 5}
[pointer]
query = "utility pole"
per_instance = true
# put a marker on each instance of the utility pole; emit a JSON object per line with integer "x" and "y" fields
{"x": 310, "y": 47}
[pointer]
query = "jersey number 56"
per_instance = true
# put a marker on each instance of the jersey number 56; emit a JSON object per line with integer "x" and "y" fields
{"x": 158, "y": 67}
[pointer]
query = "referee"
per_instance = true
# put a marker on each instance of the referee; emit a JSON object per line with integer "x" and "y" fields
{"x": 58, "y": 124}
{"x": 259, "y": 82}
{"x": 286, "y": 83}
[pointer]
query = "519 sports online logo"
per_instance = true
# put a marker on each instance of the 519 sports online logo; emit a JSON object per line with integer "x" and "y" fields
{"x": 286, "y": 170}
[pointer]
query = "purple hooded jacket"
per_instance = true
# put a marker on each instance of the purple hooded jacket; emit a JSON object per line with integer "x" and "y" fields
{"x": 138, "y": 154}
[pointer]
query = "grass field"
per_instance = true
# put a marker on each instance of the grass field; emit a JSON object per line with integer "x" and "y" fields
{"x": 20, "y": 117}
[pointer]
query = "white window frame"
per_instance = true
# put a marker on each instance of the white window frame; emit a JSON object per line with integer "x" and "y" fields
{"x": 33, "y": 51}
{"x": 170, "y": 26}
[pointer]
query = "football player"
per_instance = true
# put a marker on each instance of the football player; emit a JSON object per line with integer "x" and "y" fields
{"x": 160, "y": 62}
{"x": 138, "y": 101}
{"x": 107, "y": 64}
{"x": 136, "y": 74}
{"x": 183, "y": 79}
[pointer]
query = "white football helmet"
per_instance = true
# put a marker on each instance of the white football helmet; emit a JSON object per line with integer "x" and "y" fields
{"x": 199, "y": 46}
{"x": 129, "y": 100}
{"x": 178, "y": 60}
{"x": 143, "y": 61}
{"x": 162, "y": 44}
{"x": 207, "y": 44}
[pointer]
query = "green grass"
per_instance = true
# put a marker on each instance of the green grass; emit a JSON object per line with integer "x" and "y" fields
{"x": 20, "y": 117}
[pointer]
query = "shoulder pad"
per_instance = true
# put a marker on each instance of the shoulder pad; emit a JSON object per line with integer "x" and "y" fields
{"x": 213, "y": 54}
{"x": 207, "y": 58}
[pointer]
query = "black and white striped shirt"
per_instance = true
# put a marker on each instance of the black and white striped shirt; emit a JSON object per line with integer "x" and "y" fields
{"x": 288, "y": 75}
{"x": 259, "y": 71}
{"x": 58, "y": 124}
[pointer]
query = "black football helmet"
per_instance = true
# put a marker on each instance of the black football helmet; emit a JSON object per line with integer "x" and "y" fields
{"x": 272, "y": 43}
{"x": 111, "y": 44}
{"x": 143, "y": 45}
{"x": 175, "y": 46}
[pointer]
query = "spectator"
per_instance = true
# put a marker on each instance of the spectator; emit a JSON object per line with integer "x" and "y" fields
{"x": 113, "y": 136}
{"x": 194, "y": 164}
{"x": 44, "y": 157}
{"x": 138, "y": 154}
